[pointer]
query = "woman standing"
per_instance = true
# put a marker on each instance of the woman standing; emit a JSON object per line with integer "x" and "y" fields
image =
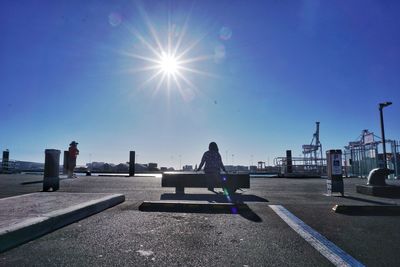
{"x": 72, "y": 155}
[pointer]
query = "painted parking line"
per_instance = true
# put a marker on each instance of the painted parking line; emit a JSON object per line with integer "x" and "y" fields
{"x": 329, "y": 250}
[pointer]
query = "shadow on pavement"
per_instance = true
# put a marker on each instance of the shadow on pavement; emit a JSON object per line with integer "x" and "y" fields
{"x": 32, "y": 182}
{"x": 41, "y": 181}
{"x": 367, "y": 200}
{"x": 219, "y": 198}
{"x": 236, "y": 203}
{"x": 371, "y": 212}
{"x": 212, "y": 208}
{"x": 249, "y": 214}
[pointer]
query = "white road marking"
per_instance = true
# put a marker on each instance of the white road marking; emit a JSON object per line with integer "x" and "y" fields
{"x": 328, "y": 249}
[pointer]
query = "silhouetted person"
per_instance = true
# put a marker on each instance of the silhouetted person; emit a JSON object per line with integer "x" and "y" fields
{"x": 213, "y": 164}
{"x": 72, "y": 155}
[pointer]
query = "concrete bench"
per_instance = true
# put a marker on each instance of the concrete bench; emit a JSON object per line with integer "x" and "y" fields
{"x": 180, "y": 180}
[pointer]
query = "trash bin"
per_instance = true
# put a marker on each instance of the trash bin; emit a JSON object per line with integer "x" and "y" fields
{"x": 51, "y": 178}
{"x": 334, "y": 183}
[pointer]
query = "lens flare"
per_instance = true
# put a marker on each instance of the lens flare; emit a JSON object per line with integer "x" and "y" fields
{"x": 114, "y": 19}
{"x": 226, "y": 192}
{"x": 234, "y": 210}
{"x": 225, "y": 33}
{"x": 219, "y": 53}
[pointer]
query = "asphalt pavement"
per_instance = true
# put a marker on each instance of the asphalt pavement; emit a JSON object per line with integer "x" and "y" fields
{"x": 252, "y": 235}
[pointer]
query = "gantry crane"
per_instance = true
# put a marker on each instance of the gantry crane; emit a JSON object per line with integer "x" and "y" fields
{"x": 314, "y": 149}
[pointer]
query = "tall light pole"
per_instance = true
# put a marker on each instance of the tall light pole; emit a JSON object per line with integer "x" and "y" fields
{"x": 381, "y": 106}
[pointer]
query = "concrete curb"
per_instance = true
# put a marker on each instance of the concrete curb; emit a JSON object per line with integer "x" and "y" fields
{"x": 32, "y": 228}
{"x": 385, "y": 210}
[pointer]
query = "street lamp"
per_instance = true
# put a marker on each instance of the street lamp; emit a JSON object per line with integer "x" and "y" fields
{"x": 381, "y": 106}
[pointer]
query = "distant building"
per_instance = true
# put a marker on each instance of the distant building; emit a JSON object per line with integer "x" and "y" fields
{"x": 153, "y": 167}
{"x": 229, "y": 168}
{"x": 122, "y": 167}
{"x": 95, "y": 166}
{"x": 17, "y": 166}
{"x": 187, "y": 168}
{"x": 81, "y": 169}
{"x": 25, "y": 165}
{"x": 253, "y": 168}
{"x": 242, "y": 168}
{"x": 140, "y": 167}
{"x": 238, "y": 168}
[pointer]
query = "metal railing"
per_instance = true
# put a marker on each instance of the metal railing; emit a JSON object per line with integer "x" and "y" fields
{"x": 301, "y": 166}
{"x": 359, "y": 160}
{"x": 394, "y": 163}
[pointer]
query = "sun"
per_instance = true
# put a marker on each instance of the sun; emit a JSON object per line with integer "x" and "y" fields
{"x": 169, "y": 64}
{"x": 169, "y": 57}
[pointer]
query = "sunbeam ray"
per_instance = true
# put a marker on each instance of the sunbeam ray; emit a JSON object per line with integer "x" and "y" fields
{"x": 149, "y": 59}
{"x": 150, "y": 79}
{"x": 186, "y": 80}
{"x": 160, "y": 82}
{"x": 151, "y": 28}
{"x": 143, "y": 40}
{"x": 191, "y": 46}
{"x": 183, "y": 31}
{"x": 199, "y": 72}
{"x": 196, "y": 59}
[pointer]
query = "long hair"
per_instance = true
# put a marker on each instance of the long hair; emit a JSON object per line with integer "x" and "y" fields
{"x": 213, "y": 147}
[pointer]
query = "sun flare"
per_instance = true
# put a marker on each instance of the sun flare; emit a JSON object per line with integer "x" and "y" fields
{"x": 168, "y": 58}
{"x": 169, "y": 64}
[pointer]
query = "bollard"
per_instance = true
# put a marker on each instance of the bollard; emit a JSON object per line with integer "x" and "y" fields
{"x": 5, "y": 163}
{"x": 377, "y": 176}
{"x": 51, "y": 179}
{"x": 132, "y": 163}
{"x": 65, "y": 162}
{"x": 289, "y": 162}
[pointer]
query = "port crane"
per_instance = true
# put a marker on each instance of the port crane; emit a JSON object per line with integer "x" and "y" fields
{"x": 312, "y": 151}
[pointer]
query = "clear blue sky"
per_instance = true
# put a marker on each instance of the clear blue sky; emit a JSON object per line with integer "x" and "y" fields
{"x": 267, "y": 70}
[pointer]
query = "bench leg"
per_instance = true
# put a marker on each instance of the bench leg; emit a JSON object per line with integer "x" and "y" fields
{"x": 180, "y": 190}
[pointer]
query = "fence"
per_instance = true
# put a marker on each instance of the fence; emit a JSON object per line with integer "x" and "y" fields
{"x": 360, "y": 159}
{"x": 302, "y": 166}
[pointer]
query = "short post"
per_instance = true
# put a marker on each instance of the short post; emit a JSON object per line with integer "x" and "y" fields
{"x": 381, "y": 106}
{"x": 289, "y": 163}
{"x": 132, "y": 163}
{"x": 179, "y": 190}
{"x": 334, "y": 183}
{"x": 51, "y": 179}
{"x": 65, "y": 162}
{"x": 6, "y": 160}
